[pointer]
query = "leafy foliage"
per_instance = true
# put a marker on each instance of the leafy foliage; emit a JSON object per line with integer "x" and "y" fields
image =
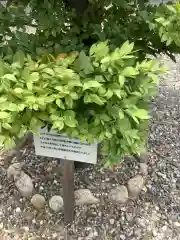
{"x": 103, "y": 99}
{"x": 65, "y": 68}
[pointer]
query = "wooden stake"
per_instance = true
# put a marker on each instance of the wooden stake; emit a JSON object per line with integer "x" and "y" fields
{"x": 68, "y": 191}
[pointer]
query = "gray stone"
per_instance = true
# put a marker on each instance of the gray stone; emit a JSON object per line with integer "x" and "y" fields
{"x": 24, "y": 184}
{"x": 135, "y": 186}
{"x": 137, "y": 232}
{"x": 38, "y": 201}
{"x": 119, "y": 194}
{"x": 85, "y": 196}
{"x": 56, "y": 203}
{"x": 14, "y": 170}
{"x": 122, "y": 237}
{"x": 143, "y": 167}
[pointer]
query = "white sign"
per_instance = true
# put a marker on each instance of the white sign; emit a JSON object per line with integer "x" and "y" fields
{"x": 52, "y": 144}
{"x": 157, "y": 2}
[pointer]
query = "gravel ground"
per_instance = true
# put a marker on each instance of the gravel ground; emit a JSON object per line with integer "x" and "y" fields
{"x": 155, "y": 215}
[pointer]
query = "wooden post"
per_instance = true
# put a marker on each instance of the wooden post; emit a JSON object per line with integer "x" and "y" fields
{"x": 68, "y": 191}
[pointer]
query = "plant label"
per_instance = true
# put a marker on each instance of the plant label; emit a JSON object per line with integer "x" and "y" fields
{"x": 157, "y": 2}
{"x": 52, "y": 144}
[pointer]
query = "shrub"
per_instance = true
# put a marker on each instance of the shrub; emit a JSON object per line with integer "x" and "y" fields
{"x": 78, "y": 72}
{"x": 102, "y": 96}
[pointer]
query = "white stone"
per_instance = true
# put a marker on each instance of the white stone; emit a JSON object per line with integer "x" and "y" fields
{"x": 34, "y": 221}
{"x": 177, "y": 224}
{"x": 85, "y": 196}
{"x": 54, "y": 235}
{"x": 24, "y": 184}
{"x": 14, "y": 170}
{"x": 119, "y": 194}
{"x": 18, "y": 210}
{"x": 26, "y": 228}
{"x": 112, "y": 221}
{"x": 135, "y": 185}
{"x": 122, "y": 237}
{"x": 56, "y": 203}
{"x": 38, "y": 201}
{"x": 143, "y": 167}
{"x": 1, "y": 225}
{"x": 154, "y": 233}
{"x": 41, "y": 188}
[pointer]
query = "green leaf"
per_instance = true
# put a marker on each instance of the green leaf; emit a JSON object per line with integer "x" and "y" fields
{"x": 74, "y": 96}
{"x": 165, "y": 37}
{"x": 119, "y": 93}
{"x": 121, "y": 80}
{"x": 129, "y": 72}
{"x": 69, "y": 119}
{"x": 60, "y": 104}
{"x": 21, "y": 107}
{"x": 84, "y": 64}
{"x": 58, "y": 124}
{"x": 49, "y": 71}
{"x": 96, "y": 99}
{"x": 18, "y": 90}
{"x": 93, "y": 98}
{"x": 9, "y": 143}
{"x": 6, "y": 126}
{"x": 74, "y": 83}
{"x": 171, "y": 9}
{"x": 3, "y": 99}
{"x": 91, "y": 84}
{"x": 154, "y": 77}
{"x": 4, "y": 115}
{"x": 49, "y": 99}
{"x": 139, "y": 113}
{"x": 169, "y": 41}
{"x": 104, "y": 117}
{"x": 12, "y": 107}
{"x": 126, "y": 48}
{"x": 43, "y": 116}
{"x": 10, "y": 77}
{"x": 2, "y": 139}
{"x": 123, "y": 125}
{"x": 29, "y": 86}
{"x": 69, "y": 101}
{"x": 33, "y": 77}
{"x": 108, "y": 94}
{"x": 121, "y": 114}
{"x": 19, "y": 57}
{"x": 2, "y": 69}
{"x": 99, "y": 50}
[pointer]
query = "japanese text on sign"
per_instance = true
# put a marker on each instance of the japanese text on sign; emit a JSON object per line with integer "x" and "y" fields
{"x": 52, "y": 144}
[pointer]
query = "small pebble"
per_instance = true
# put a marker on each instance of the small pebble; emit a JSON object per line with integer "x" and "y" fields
{"x": 154, "y": 233}
{"x": 41, "y": 188}
{"x": 56, "y": 203}
{"x": 18, "y": 210}
{"x": 38, "y": 201}
{"x": 54, "y": 235}
{"x": 119, "y": 194}
{"x": 1, "y": 225}
{"x": 135, "y": 185}
{"x": 143, "y": 167}
{"x": 85, "y": 196}
{"x": 122, "y": 237}
{"x": 111, "y": 221}
{"x": 26, "y": 228}
{"x": 177, "y": 224}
